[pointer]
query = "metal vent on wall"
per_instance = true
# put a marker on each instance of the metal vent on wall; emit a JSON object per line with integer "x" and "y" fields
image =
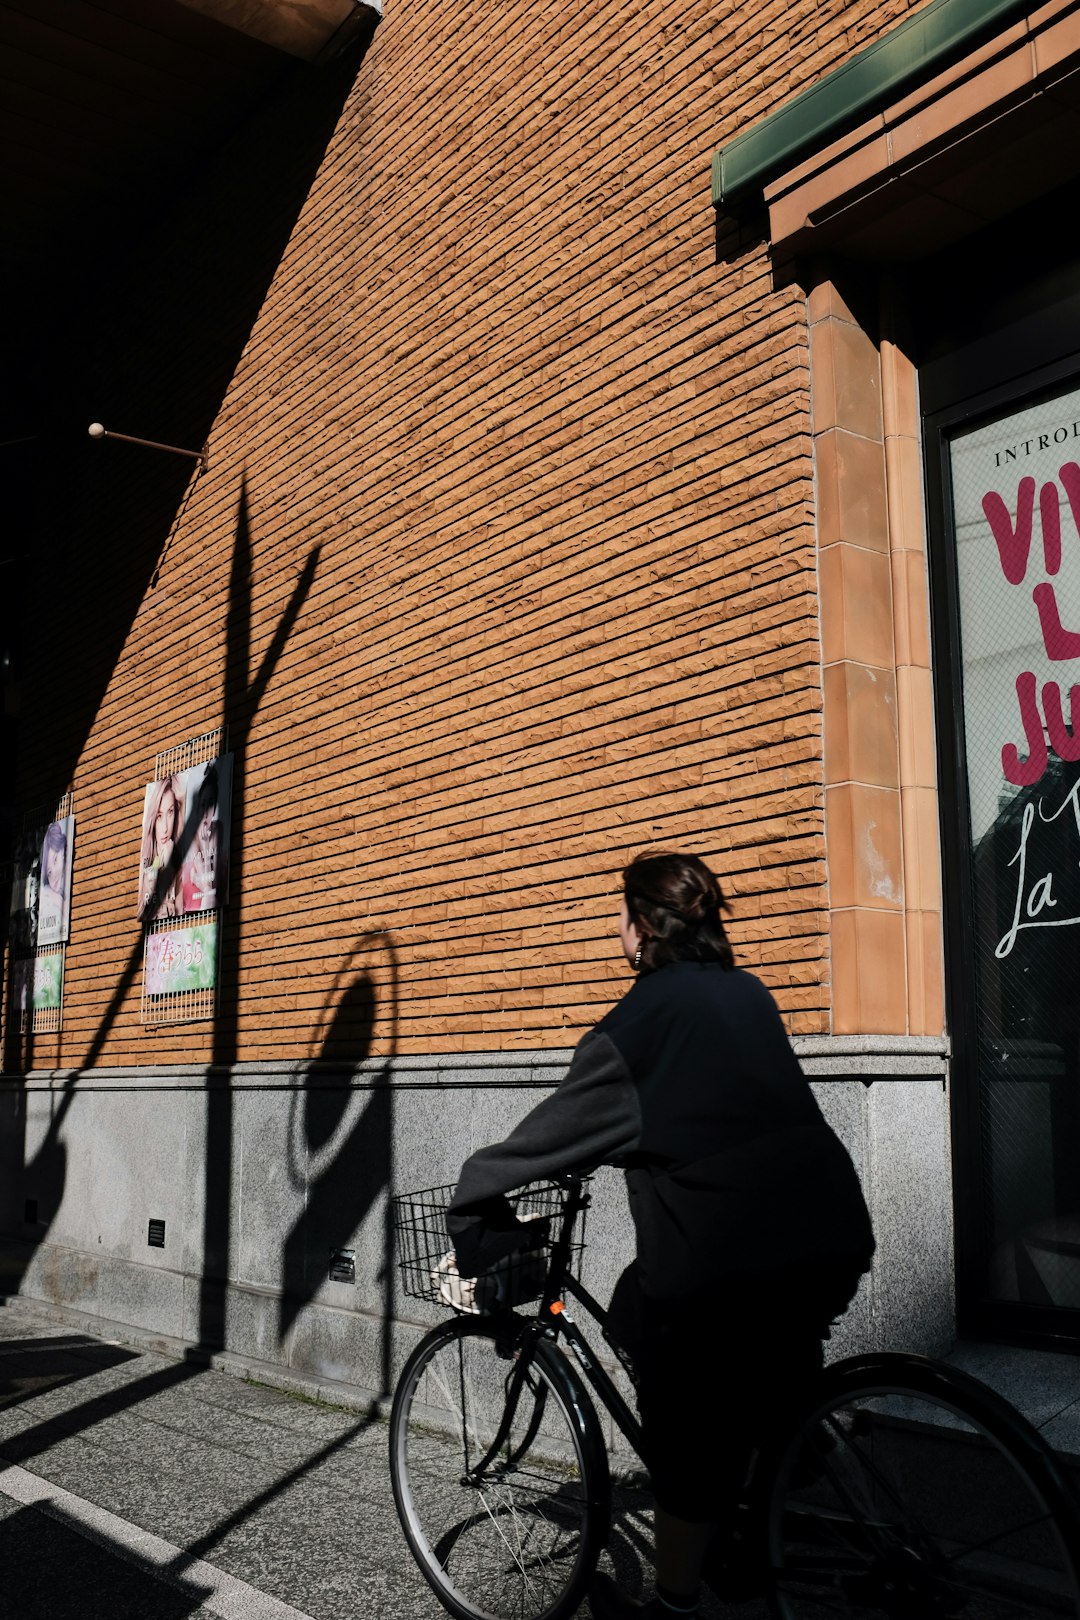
{"x": 343, "y": 1265}
{"x": 155, "y": 1238}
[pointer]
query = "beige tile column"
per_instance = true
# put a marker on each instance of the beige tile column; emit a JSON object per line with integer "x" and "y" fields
{"x": 880, "y": 794}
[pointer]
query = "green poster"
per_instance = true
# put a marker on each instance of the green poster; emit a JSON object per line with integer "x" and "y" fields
{"x": 181, "y": 959}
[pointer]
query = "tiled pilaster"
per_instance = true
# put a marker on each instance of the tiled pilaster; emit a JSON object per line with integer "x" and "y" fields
{"x": 880, "y": 793}
{"x": 921, "y": 839}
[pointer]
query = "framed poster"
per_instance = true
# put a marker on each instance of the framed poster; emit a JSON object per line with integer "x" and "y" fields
{"x": 38, "y": 983}
{"x": 179, "y": 959}
{"x": 54, "y": 891}
{"x": 184, "y": 856}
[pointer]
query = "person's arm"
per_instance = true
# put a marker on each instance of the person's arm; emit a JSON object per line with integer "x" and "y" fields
{"x": 592, "y": 1118}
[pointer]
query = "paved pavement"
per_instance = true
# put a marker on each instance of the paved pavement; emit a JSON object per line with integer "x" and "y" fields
{"x": 138, "y": 1487}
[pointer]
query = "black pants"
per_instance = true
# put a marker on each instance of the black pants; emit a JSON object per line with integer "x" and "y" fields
{"x": 716, "y": 1371}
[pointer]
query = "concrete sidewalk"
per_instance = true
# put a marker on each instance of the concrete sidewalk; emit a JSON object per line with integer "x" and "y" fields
{"x": 134, "y": 1486}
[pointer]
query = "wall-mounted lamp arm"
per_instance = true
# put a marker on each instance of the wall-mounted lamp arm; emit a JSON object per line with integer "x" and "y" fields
{"x": 96, "y": 431}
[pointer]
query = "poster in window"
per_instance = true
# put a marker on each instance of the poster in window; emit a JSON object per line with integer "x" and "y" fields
{"x": 1016, "y": 507}
{"x": 54, "y": 891}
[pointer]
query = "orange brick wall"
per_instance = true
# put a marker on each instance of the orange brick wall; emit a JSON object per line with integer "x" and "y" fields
{"x": 555, "y": 452}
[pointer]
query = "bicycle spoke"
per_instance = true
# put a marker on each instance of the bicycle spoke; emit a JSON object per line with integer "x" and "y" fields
{"x": 511, "y": 1543}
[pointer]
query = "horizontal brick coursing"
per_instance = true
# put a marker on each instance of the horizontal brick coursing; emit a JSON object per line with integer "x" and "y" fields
{"x": 556, "y": 457}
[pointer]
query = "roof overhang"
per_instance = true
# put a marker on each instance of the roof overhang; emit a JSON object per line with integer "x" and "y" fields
{"x": 317, "y": 31}
{"x": 951, "y": 120}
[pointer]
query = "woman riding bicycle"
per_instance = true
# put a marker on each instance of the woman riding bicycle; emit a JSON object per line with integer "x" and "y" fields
{"x": 748, "y": 1213}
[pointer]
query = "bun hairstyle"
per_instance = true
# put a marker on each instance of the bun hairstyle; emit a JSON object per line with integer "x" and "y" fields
{"x": 675, "y": 903}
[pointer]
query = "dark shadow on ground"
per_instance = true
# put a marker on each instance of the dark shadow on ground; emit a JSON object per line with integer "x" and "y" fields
{"x": 53, "y": 1571}
{"x": 29, "y": 1366}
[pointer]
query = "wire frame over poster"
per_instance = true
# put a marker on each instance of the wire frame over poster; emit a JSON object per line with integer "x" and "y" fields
{"x": 180, "y": 958}
{"x": 39, "y": 989}
{"x": 40, "y": 916}
{"x": 180, "y": 969}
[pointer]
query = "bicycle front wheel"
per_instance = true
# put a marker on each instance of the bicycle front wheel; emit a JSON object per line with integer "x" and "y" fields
{"x": 522, "y": 1541}
{"x": 912, "y": 1492}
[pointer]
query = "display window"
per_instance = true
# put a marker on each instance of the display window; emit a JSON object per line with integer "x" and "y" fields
{"x": 1014, "y": 490}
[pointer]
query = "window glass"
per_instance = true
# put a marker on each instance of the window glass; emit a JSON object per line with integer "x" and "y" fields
{"x": 1015, "y": 486}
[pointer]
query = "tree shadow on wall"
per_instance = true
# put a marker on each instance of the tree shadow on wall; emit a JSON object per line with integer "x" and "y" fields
{"x": 147, "y": 340}
{"x": 45, "y": 1174}
{"x": 341, "y": 1139}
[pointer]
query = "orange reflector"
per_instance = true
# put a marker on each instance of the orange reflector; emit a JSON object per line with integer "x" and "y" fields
{"x": 557, "y": 1306}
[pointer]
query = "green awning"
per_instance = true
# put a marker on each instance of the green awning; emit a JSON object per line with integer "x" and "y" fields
{"x": 914, "y": 51}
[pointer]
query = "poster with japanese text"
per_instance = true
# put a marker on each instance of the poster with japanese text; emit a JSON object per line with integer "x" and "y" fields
{"x": 38, "y": 983}
{"x": 179, "y": 959}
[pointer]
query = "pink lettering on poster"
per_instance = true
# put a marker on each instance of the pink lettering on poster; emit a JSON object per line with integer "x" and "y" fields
{"x": 1026, "y": 772}
{"x": 1059, "y": 642}
{"x": 1013, "y": 538}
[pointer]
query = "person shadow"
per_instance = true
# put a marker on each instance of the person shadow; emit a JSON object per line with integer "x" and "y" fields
{"x": 341, "y": 1143}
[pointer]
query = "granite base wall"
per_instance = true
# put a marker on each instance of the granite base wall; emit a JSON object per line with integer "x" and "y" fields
{"x": 258, "y": 1174}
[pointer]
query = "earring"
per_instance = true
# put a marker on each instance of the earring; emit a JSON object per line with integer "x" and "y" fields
{"x": 637, "y": 960}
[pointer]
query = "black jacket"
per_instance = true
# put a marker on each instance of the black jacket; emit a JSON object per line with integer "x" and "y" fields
{"x": 689, "y": 1084}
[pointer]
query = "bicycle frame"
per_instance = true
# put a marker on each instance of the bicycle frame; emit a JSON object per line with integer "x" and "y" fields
{"x": 552, "y": 1321}
{"x": 594, "y": 1372}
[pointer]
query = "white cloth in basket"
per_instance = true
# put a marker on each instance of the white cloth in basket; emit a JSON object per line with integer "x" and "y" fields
{"x": 515, "y": 1279}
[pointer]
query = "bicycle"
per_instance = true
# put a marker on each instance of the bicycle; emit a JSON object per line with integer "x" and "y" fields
{"x": 906, "y": 1490}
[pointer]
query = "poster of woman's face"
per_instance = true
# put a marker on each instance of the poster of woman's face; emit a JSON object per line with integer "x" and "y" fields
{"x": 24, "y": 892}
{"x": 159, "y": 867}
{"x": 54, "y": 891}
{"x": 208, "y": 797}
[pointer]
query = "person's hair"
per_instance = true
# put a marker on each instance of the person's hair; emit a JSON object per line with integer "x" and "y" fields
{"x": 54, "y": 839}
{"x": 167, "y": 784}
{"x": 207, "y": 797}
{"x": 675, "y": 903}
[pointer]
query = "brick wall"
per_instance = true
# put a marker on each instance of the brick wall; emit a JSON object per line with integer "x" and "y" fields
{"x": 474, "y": 341}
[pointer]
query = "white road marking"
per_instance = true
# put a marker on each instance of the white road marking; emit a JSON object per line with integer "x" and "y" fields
{"x": 211, "y": 1588}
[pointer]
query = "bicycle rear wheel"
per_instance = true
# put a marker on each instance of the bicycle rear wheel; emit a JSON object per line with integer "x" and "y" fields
{"x": 524, "y": 1541}
{"x": 912, "y": 1492}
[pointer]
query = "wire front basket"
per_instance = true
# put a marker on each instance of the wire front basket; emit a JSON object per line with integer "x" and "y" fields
{"x": 426, "y": 1255}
